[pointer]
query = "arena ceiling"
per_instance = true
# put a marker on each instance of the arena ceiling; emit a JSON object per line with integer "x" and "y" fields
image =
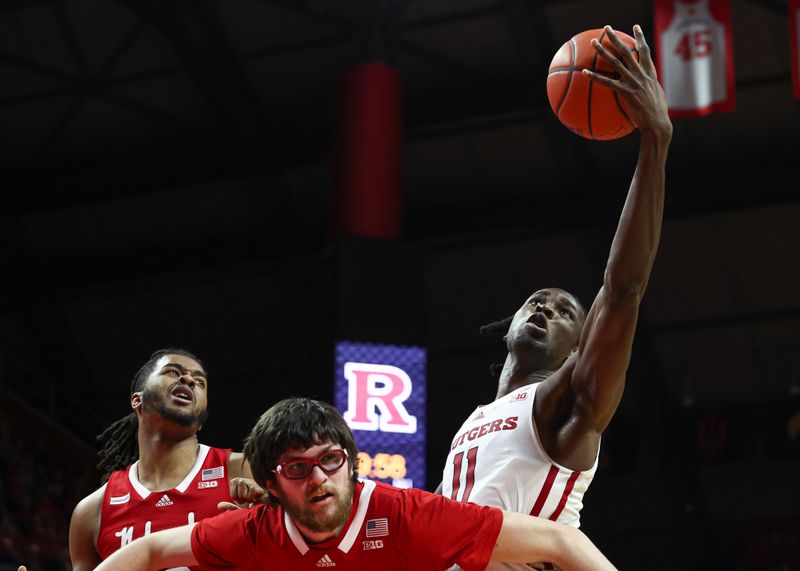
{"x": 161, "y": 156}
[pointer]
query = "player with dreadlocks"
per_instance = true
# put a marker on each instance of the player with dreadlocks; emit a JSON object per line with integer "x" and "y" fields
{"x": 156, "y": 475}
{"x": 534, "y": 449}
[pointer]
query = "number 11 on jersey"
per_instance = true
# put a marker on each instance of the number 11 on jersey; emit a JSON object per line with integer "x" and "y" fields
{"x": 472, "y": 456}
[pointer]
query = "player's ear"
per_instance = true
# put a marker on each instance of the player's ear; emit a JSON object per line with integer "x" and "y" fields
{"x": 272, "y": 489}
{"x": 136, "y": 400}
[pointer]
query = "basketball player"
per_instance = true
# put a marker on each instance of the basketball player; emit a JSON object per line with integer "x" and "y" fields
{"x": 303, "y": 452}
{"x": 157, "y": 475}
{"x": 534, "y": 449}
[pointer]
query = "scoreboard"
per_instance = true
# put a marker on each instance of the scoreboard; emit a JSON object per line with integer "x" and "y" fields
{"x": 381, "y": 392}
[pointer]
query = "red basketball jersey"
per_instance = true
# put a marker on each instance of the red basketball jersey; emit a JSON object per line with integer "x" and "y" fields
{"x": 389, "y": 529}
{"x": 131, "y": 511}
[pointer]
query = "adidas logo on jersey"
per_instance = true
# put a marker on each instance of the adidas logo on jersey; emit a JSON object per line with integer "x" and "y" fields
{"x": 164, "y": 501}
{"x": 326, "y": 561}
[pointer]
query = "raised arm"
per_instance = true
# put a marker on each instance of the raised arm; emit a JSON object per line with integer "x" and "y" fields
{"x": 604, "y": 350}
{"x": 168, "y": 548}
{"x": 528, "y": 539}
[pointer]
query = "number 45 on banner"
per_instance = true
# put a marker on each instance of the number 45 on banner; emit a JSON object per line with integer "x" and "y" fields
{"x": 694, "y": 48}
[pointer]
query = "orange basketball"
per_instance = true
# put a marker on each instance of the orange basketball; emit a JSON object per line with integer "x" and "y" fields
{"x": 587, "y": 108}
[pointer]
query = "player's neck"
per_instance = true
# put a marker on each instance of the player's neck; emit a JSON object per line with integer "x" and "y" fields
{"x": 516, "y": 374}
{"x": 164, "y": 460}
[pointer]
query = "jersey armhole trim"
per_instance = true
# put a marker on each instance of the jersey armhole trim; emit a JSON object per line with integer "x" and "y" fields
{"x": 538, "y": 443}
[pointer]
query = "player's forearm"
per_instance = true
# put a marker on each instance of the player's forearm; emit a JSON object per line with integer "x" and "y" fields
{"x": 138, "y": 556}
{"x": 638, "y": 232}
{"x": 527, "y": 539}
{"x": 169, "y": 548}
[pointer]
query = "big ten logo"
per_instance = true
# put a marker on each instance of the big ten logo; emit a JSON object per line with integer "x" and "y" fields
{"x": 382, "y": 466}
{"x": 380, "y": 387}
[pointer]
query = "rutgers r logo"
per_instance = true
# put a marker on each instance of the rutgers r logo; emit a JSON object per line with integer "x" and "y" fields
{"x": 381, "y": 386}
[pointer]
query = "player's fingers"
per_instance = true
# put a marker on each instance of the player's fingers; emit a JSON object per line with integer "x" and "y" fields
{"x": 238, "y": 488}
{"x": 611, "y": 59}
{"x": 227, "y": 506}
{"x": 623, "y": 50}
{"x": 245, "y": 490}
{"x": 604, "y": 80}
{"x": 645, "y": 58}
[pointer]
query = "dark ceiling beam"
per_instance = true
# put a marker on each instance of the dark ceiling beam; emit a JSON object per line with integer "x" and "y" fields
{"x": 454, "y": 17}
{"x": 459, "y": 103}
{"x": 128, "y": 41}
{"x": 208, "y": 261}
{"x": 534, "y": 38}
{"x": 43, "y": 334}
{"x": 23, "y": 64}
{"x": 462, "y": 73}
{"x": 17, "y": 5}
{"x": 329, "y": 22}
{"x": 737, "y": 320}
{"x": 282, "y": 50}
{"x": 689, "y": 193}
{"x": 71, "y": 37}
{"x": 59, "y": 129}
{"x": 20, "y": 100}
{"x": 531, "y": 33}
{"x": 777, "y": 6}
{"x": 205, "y": 154}
{"x": 154, "y": 114}
{"x": 202, "y": 153}
{"x": 195, "y": 30}
{"x": 451, "y": 225}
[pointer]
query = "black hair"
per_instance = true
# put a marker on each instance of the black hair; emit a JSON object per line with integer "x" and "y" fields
{"x": 120, "y": 439}
{"x": 497, "y": 328}
{"x": 295, "y": 423}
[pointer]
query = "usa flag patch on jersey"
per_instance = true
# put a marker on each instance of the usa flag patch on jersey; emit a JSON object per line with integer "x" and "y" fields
{"x": 213, "y": 473}
{"x": 378, "y": 527}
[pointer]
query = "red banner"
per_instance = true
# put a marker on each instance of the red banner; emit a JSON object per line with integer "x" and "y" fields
{"x": 794, "y": 34}
{"x": 694, "y": 48}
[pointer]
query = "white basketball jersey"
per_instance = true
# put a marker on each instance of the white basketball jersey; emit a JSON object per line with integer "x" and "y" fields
{"x": 497, "y": 459}
{"x": 693, "y": 58}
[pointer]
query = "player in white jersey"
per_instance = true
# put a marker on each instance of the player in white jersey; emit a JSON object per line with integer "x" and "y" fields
{"x": 534, "y": 449}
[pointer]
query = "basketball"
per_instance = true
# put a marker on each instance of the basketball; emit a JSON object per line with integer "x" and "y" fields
{"x": 585, "y": 107}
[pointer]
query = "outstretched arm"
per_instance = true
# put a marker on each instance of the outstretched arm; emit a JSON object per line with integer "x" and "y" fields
{"x": 526, "y": 539}
{"x": 604, "y": 349}
{"x": 168, "y": 548}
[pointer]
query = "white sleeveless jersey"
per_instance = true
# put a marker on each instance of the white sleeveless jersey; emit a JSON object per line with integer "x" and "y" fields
{"x": 693, "y": 58}
{"x": 497, "y": 459}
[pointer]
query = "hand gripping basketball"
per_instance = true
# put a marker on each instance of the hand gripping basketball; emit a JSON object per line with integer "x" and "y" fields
{"x": 637, "y": 85}
{"x": 602, "y": 85}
